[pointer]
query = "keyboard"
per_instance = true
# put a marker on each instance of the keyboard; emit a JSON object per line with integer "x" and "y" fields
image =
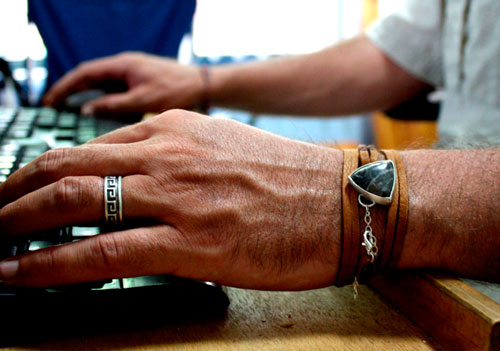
{"x": 25, "y": 133}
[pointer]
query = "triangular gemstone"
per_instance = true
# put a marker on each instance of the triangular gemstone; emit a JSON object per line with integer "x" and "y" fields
{"x": 375, "y": 180}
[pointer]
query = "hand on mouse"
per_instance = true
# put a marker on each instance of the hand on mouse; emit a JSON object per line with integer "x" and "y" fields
{"x": 155, "y": 84}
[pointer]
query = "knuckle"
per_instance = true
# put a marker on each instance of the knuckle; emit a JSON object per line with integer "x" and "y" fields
{"x": 45, "y": 260}
{"x": 128, "y": 56}
{"x": 107, "y": 252}
{"x": 125, "y": 55}
{"x": 177, "y": 113}
{"x": 71, "y": 192}
{"x": 84, "y": 66}
{"x": 50, "y": 163}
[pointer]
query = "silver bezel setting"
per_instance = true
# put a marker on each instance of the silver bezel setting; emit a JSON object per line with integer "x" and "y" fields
{"x": 375, "y": 198}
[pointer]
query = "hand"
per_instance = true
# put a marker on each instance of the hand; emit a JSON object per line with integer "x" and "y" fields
{"x": 155, "y": 84}
{"x": 233, "y": 205}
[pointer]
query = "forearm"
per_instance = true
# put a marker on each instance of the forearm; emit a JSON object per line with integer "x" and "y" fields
{"x": 351, "y": 77}
{"x": 238, "y": 206}
{"x": 453, "y": 218}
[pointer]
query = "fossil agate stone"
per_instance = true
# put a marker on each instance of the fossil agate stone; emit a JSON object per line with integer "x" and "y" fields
{"x": 376, "y": 178}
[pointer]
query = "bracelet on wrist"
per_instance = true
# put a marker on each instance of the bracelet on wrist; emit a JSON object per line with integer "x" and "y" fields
{"x": 374, "y": 193}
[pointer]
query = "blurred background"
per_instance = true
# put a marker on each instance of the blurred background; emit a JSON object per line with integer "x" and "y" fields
{"x": 225, "y": 31}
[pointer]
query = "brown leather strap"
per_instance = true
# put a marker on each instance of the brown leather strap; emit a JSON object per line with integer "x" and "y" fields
{"x": 349, "y": 242}
{"x": 386, "y": 247}
{"x": 389, "y": 225}
{"x": 404, "y": 205}
{"x": 374, "y": 154}
{"x": 364, "y": 154}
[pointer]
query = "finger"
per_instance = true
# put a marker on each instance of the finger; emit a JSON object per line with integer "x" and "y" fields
{"x": 101, "y": 160}
{"x": 83, "y": 76}
{"x": 146, "y": 129}
{"x": 71, "y": 201}
{"x": 142, "y": 251}
{"x": 131, "y": 101}
{"x": 125, "y": 135}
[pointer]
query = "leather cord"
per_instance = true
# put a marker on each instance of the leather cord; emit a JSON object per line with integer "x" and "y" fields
{"x": 349, "y": 242}
{"x": 392, "y": 215}
{"x": 389, "y": 224}
{"x": 402, "y": 217}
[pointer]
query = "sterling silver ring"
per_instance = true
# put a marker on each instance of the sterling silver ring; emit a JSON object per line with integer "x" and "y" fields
{"x": 113, "y": 210}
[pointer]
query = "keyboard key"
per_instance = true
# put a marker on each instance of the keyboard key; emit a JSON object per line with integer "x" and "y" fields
{"x": 113, "y": 285}
{"x": 10, "y": 147}
{"x": 38, "y": 244}
{"x": 47, "y": 120}
{"x": 64, "y": 143}
{"x": 7, "y": 114}
{"x": 67, "y": 121}
{"x": 64, "y": 134}
{"x": 34, "y": 151}
{"x": 55, "y": 236}
{"x": 7, "y": 165}
{"x": 84, "y": 232}
{"x": 7, "y": 158}
{"x": 150, "y": 280}
{"x": 27, "y": 159}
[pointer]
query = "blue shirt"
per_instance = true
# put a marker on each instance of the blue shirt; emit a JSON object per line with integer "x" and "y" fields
{"x": 79, "y": 30}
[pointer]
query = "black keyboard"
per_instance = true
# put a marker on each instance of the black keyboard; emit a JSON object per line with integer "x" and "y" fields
{"x": 25, "y": 133}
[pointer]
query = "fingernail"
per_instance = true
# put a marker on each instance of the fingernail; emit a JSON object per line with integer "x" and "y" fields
{"x": 87, "y": 110}
{"x": 8, "y": 269}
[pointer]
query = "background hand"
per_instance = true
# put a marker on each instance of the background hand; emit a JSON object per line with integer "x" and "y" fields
{"x": 232, "y": 204}
{"x": 155, "y": 84}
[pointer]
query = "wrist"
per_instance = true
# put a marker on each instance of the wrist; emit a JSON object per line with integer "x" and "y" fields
{"x": 204, "y": 100}
{"x": 316, "y": 219}
{"x": 422, "y": 245}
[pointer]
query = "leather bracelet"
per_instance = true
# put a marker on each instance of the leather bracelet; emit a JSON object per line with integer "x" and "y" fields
{"x": 386, "y": 247}
{"x": 349, "y": 238}
{"x": 390, "y": 223}
{"x": 403, "y": 212}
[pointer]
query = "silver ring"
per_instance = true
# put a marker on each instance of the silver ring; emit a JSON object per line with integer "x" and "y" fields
{"x": 113, "y": 210}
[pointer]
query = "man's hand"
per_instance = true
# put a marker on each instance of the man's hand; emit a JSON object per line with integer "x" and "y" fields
{"x": 155, "y": 84}
{"x": 231, "y": 204}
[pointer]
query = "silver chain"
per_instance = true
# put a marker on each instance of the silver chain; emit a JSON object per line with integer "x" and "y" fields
{"x": 369, "y": 240}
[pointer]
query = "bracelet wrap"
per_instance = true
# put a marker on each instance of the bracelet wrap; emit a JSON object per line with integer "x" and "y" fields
{"x": 349, "y": 238}
{"x": 385, "y": 224}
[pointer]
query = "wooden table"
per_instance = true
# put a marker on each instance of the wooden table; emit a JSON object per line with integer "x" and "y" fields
{"x": 325, "y": 319}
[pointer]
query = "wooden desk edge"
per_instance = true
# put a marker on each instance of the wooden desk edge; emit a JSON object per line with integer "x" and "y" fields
{"x": 454, "y": 313}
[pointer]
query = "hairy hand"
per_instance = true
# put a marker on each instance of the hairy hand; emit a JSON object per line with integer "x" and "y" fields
{"x": 232, "y": 204}
{"x": 155, "y": 84}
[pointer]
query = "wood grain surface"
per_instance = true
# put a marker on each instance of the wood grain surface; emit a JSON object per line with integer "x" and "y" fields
{"x": 453, "y": 312}
{"x": 324, "y": 319}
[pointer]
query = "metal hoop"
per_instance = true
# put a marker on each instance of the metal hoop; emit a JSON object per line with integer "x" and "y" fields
{"x": 113, "y": 210}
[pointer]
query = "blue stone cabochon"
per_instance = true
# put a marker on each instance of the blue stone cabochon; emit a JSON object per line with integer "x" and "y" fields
{"x": 375, "y": 181}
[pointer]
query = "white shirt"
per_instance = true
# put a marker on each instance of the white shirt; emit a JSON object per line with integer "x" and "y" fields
{"x": 454, "y": 44}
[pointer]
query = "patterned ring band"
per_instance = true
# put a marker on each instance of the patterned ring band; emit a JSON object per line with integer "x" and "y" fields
{"x": 113, "y": 200}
